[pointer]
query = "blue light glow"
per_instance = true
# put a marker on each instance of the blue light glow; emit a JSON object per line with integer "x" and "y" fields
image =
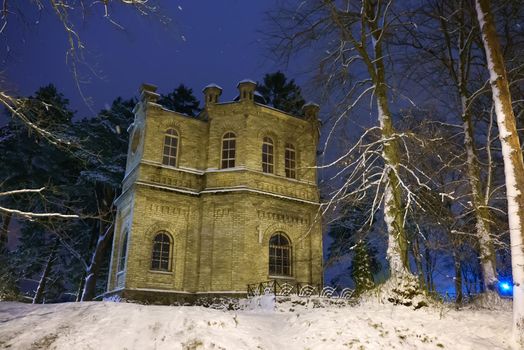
{"x": 505, "y": 286}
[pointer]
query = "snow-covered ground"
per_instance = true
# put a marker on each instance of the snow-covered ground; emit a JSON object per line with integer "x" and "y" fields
{"x": 109, "y": 325}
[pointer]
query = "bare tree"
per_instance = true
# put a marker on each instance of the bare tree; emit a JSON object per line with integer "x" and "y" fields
{"x": 512, "y": 155}
{"x": 372, "y": 20}
{"x": 349, "y": 40}
{"x": 446, "y": 38}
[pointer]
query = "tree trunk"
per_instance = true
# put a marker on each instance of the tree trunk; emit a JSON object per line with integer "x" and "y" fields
{"x": 486, "y": 250}
{"x": 487, "y": 253}
{"x": 459, "y": 296}
{"x": 39, "y": 294}
{"x": 459, "y": 73}
{"x": 4, "y": 231}
{"x": 80, "y": 288}
{"x": 429, "y": 269}
{"x": 397, "y": 251}
{"x": 96, "y": 261}
{"x": 512, "y": 156}
{"x": 93, "y": 242}
{"x": 418, "y": 263}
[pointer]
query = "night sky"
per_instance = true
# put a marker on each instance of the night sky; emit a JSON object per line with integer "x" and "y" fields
{"x": 206, "y": 41}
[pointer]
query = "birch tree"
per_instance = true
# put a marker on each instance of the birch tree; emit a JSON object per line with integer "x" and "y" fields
{"x": 512, "y": 155}
{"x": 352, "y": 37}
{"x": 459, "y": 68}
{"x": 369, "y": 48}
{"x": 444, "y": 35}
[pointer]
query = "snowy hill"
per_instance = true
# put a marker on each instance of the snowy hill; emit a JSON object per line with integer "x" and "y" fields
{"x": 108, "y": 325}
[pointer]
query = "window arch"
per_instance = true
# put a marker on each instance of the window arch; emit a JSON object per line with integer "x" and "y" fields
{"x": 123, "y": 253}
{"x": 229, "y": 145}
{"x": 161, "y": 254}
{"x": 290, "y": 161}
{"x": 170, "y": 147}
{"x": 279, "y": 255}
{"x": 267, "y": 155}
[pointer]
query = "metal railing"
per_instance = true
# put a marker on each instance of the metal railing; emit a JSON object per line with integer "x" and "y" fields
{"x": 291, "y": 288}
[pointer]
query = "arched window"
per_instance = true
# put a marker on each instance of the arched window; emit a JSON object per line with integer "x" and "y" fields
{"x": 279, "y": 255}
{"x": 160, "y": 259}
{"x": 123, "y": 253}
{"x": 170, "y": 147}
{"x": 290, "y": 161}
{"x": 228, "y": 150}
{"x": 267, "y": 155}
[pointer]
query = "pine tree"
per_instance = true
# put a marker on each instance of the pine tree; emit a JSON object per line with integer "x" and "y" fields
{"x": 281, "y": 93}
{"x": 353, "y": 218}
{"x": 27, "y": 160}
{"x": 350, "y": 234}
{"x": 181, "y": 100}
{"x": 8, "y": 287}
{"x": 361, "y": 268}
{"x": 49, "y": 108}
{"x": 105, "y": 142}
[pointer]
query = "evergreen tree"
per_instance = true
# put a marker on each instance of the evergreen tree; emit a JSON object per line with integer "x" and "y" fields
{"x": 28, "y": 161}
{"x": 361, "y": 268}
{"x": 343, "y": 231}
{"x": 84, "y": 179}
{"x": 8, "y": 288}
{"x": 47, "y": 110}
{"x": 181, "y": 100}
{"x": 281, "y": 93}
{"x": 104, "y": 152}
{"x": 350, "y": 234}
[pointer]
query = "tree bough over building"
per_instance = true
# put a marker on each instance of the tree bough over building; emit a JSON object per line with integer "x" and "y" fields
{"x": 213, "y": 203}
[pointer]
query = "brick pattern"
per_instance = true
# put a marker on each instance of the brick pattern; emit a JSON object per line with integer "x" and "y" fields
{"x": 220, "y": 221}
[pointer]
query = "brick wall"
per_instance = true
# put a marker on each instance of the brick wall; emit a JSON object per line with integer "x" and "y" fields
{"x": 220, "y": 221}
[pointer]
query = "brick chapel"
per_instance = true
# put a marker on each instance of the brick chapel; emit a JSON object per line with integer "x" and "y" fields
{"x": 213, "y": 203}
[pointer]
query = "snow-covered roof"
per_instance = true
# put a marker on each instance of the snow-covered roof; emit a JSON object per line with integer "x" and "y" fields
{"x": 311, "y": 104}
{"x": 212, "y": 85}
{"x": 246, "y": 81}
{"x": 258, "y": 98}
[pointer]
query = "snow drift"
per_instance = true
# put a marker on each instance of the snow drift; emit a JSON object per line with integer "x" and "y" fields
{"x": 295, "y": 324}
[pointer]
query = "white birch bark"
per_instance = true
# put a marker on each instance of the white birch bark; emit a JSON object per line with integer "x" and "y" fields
{"x": 487, "y": 254}
{"x": 513, "y": 163}
{"x": 393, "y": 214}
{"x": 373, "y": 19}
{"x": 486, "y": 250}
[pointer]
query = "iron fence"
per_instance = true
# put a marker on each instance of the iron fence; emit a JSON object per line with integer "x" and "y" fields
{"x": 292, "y": 288}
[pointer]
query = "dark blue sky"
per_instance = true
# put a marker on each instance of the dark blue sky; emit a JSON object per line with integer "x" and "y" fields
{"x": 218, "y": 41}
{"x": 206, "y": 41}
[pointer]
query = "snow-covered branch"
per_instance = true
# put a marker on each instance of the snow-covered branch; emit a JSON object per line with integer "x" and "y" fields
{"x": 29, "y": 214}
